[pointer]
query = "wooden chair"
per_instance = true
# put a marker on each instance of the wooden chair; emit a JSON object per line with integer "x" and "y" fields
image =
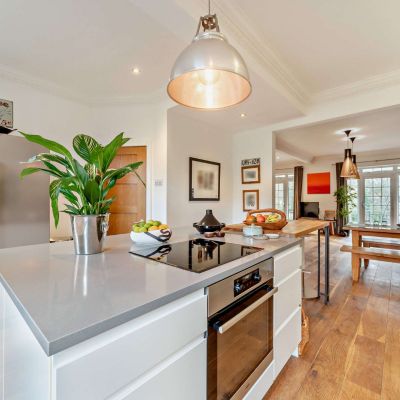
{"x": 369, "y": 253}
{"x": 330, "y": 215}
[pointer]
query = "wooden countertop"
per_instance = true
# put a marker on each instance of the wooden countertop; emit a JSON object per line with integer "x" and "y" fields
{"x": 297, "y": 228}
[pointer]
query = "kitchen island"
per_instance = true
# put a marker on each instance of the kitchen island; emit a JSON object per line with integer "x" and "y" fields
{"x": 118, "y": 326}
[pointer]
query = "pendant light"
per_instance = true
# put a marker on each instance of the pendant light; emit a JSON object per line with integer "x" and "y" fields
{"x": 348, "y": 167}
{"x": 209, "y": 73}
{"x": 356, "y": 174}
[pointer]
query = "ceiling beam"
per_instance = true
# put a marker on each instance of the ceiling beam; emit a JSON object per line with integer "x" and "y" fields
{"x": 292, "y": 151}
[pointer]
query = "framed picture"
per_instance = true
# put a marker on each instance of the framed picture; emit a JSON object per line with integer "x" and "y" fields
{"x": 6, "y": 113}
{"x": 204, "y": 180}
{"x": 319, "y": 183}
{"x": 250, "y": 200}
{"x": 251, "y": 174}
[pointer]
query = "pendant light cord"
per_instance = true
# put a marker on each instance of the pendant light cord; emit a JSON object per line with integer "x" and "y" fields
{"x": 209, "y": 7}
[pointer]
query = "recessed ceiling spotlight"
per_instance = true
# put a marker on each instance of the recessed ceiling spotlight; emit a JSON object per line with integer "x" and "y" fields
{"x": 277, "y": 157}
{"x": 243, "y": 115}
{"x": 342, "y": 131}
{"x": 136, "y": 71}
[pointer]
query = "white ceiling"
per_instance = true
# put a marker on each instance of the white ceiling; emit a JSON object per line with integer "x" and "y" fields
{"x": 329, "y": 43}
{"x": 294, "y": 49}
{"x": 376, "y": 131}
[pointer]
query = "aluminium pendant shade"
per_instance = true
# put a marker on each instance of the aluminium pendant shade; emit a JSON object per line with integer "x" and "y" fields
{"x": 348, "y": 166}
{"x": 209, "y": 74}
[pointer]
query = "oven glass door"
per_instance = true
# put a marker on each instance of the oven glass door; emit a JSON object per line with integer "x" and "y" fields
{"x": 240, "y": 337}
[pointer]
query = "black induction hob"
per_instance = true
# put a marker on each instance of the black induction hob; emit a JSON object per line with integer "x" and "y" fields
{"x": 197, "y": 255}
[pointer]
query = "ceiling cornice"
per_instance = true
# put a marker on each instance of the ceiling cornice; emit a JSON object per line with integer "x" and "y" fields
{"x": 370, "y": 84}
{"x": 60, "y": 91}
{"x": 266, "y": 61}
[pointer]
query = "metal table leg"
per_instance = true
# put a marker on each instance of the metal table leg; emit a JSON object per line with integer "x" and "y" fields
{"x": 319, "y": 264}
{"x": 326, "y": 232}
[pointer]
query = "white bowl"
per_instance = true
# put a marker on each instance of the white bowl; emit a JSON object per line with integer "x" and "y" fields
{"x": 152, "y": 237}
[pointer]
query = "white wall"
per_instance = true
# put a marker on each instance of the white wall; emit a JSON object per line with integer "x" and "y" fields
{"x": 191, "y": 138}
{"x": 326, "y": 201}
{"x": 255, "y": 143}
{"x": 60, "y": 119}
{"x": 48, "y": 115}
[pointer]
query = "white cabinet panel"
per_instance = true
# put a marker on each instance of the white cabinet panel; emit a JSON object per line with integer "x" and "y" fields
{"x": 286, "y": 263}
{"x": 262, "y": 385}
{"x": 287, "y": 340}
{"x": 184, "y": 379}
{"x": 287, "y": 299}
{"x": 26, "y": 367}
{"x": 96, "y": 371}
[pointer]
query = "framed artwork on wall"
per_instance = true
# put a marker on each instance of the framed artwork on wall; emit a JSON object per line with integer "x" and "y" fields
{"x": 204, "y": 180}
{"x": 250, "y": 200}
{"x": 6, "y": 113}
{"x": 251, "y": 174}
{"x": 319, "y": 183}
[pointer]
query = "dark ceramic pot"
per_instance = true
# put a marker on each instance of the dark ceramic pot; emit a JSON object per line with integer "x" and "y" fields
{"x": 209, "y": 223}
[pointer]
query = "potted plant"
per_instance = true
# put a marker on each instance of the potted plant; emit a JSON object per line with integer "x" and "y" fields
{"x": 85, "y": 187}
{"x": 346, "y": 197}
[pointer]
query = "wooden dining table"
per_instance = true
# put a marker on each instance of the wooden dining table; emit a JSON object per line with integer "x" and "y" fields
{"x": 300, "y": 228}
{"x": 360, "y": 231}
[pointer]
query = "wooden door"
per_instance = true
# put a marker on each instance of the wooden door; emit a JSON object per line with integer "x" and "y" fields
{"x": 130, "y": 204}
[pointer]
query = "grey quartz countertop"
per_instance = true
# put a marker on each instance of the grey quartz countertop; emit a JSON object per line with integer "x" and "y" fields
{"x": 66, "y": 299}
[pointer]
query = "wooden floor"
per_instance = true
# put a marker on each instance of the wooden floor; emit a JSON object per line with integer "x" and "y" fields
{"x": 354, "y": 348}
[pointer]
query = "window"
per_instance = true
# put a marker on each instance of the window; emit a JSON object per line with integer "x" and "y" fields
{"x": 378, "y": 196}
{"x": 377, "y": 201}
{"x": 354, "y": 217}
{"x": 284, "y": 194}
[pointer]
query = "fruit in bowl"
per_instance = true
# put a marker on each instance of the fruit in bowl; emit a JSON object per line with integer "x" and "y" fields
{"x": 150, "y": 232}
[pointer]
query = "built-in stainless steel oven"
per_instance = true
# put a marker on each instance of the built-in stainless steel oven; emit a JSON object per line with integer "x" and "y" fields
{"x": 240, "y": 331}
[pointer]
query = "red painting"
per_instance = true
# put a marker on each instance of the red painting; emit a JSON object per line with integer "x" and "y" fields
{"x": 319, "y": 183}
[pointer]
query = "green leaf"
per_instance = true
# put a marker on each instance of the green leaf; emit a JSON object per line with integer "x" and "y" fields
{"x": 29, "y": 171}
{"x": 32, "y": 170}
{"x": 91, "y": 170}
{"x": 48, "y": 144}
{"x": 121, "y": 172}
{"x": 81, "y": 173}
{"x": 54, "y": 169}
{"x": 92, "y": 192}
{"x": 54, "y": 191}
{"x": 110, "y": 150}
{"x": 85, "y": 146}
{"x": 51, "y": 157}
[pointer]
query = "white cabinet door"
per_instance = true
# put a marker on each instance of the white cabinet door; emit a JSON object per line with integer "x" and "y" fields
{"x": 26, "y": 367}
{"x": 286, "y": 263}
{"x": 286, "y": 341}
{"x": 100, "y": 367}
{"x": 182, "y": 379}
{"x": 287, "y": 299}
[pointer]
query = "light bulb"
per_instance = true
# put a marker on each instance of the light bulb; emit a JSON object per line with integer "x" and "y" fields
{"x": 208, "y": 77}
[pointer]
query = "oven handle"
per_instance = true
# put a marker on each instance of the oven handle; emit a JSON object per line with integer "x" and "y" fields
{"x": 223, "y": 328}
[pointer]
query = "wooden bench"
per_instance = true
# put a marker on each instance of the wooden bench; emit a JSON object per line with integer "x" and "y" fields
{"x": 369, "y": 253}
{"x": 393, "y": 244}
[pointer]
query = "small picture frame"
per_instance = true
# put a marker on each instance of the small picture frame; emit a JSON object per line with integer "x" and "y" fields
{"x": 251, "y": 174}
{"x": 6, "y": 113}
{"x": 204, "y": 180}
{"x": 251, "y": 200}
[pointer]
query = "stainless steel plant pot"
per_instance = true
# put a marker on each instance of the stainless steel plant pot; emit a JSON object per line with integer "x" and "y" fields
{"x": 89, "y": 232}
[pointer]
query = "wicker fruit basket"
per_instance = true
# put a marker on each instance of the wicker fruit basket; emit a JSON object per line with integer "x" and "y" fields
{"x": 275, "y": 225}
